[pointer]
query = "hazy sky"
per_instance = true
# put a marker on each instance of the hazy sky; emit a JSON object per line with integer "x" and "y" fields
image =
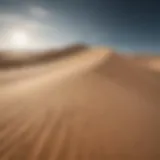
{"x": 123, "y": 24}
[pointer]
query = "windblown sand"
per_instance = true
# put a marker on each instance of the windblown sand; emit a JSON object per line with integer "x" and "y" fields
{"x": 90, "y": 105}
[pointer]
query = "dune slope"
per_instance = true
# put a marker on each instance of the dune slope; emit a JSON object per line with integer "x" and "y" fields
{"x": 94, "y": 105}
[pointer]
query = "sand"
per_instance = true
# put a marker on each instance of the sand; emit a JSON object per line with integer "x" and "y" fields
{"x": 92, "y": 104}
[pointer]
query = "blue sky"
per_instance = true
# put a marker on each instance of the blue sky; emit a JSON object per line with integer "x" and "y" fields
{"x": 129, "y": 25}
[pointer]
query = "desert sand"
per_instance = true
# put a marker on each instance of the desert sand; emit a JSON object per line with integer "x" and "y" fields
{"x": 83, "y": 103}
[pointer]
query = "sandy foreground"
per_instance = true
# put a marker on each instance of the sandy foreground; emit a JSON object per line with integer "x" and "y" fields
{"x": 90, "y": 105}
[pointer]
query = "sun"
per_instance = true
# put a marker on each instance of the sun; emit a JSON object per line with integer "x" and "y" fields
{"x": 19, "y": 39}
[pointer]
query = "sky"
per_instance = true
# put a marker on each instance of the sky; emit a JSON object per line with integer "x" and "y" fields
{"x": 127, "y": 25}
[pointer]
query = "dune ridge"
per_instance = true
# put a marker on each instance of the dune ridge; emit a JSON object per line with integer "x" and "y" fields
{"x": 92, "y": 105}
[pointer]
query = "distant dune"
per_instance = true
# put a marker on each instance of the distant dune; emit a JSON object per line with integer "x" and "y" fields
{"x": 82, "y": 103}
{"x": 151, "y": 62}
{"x": 18, "y": 59}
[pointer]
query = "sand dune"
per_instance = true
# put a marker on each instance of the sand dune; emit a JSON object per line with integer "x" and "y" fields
{"x": 150, "y": 62}
{"x": 18, "y": 59}
{"x": 92, "y": 104}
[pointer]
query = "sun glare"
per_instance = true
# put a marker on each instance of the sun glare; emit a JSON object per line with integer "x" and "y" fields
{"x": 19, "y": 39}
